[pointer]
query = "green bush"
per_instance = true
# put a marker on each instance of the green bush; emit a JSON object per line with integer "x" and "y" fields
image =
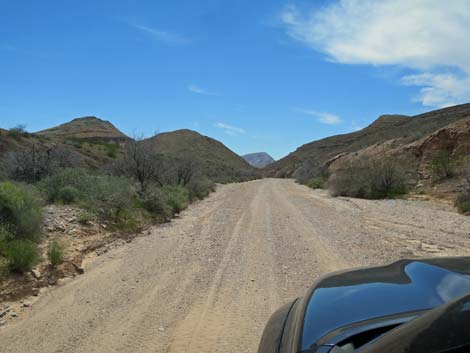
{"x": 18, "y": 131}
{"x": 68, "y": 195}
{"x": 20, "y": 211}
{"x": 443, "y": 165}
{"x": 200, "y": 188}
{"x": 155, "y": 202}
{"x": 102, "y": 195}
{"x": 125, "y": 221}
{"x": 372, "y": 179}
{"x": 55, "y": 253}
{"x": 176, "y": 196}
{"x": 85, "y": 218}
{"x": 316, "y": 183}
{"x": 463, "y": 202}
{"x": 22, "y": 255}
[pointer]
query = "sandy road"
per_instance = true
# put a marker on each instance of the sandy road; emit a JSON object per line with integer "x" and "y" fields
{"x": 208, "y": 281}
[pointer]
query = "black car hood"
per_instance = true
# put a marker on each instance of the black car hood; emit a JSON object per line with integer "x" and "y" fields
{"x": 405, "y": 286}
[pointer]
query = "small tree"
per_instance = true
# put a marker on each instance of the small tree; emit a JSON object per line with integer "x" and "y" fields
{"x": 141, "y": 163}
{"x": 35, "y": 162}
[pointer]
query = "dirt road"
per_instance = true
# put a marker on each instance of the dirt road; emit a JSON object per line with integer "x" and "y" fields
{"x": 208, "y": 281}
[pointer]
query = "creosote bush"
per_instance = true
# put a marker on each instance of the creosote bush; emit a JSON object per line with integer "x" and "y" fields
{"x": 20, "y": 211}
{"x": 443, "y": 165}
{"x": 463, "y": 202}
{"x": 68, "y": 195}
{"x": 22, "y": 255}
{"x": 373, "y": 179}
{"x": 176, "y": 196}
{"x": 316, "y": 183}
{"x": 55, "y": 253}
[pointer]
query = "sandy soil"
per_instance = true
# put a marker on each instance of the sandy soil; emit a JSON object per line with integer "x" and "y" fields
{"x": 209, "y": 280}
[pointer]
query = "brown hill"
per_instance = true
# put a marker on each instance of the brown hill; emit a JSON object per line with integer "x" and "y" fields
{"x": 415, "y": 158}
{"x": 213, "y": 158}
{"x": 311, "y": 157}
{"x": 88, "y": 128}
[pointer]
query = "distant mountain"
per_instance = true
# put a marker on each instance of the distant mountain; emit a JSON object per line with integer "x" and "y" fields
{"x": 212, "y": 157}
{"x": 259, "y": 159}
{"x": 88, "y": 128}
{"x": 311, "y": 157}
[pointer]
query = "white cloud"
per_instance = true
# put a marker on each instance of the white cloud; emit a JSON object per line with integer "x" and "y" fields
{"x": 230, "y": 129}
{"x": 163, "y": 36}
{"x": 440, "y": 90}
{"x": 199, "y": 90}
{"x": 322, "y": 117}
{"x": 425, "y": 35}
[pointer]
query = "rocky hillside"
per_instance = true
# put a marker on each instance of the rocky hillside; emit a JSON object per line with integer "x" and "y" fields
{"x": 415, "y": 158}
{"x": 88, "y": 128}
{"x": 212, "y": 157}
{"x": 311, "y": 157}
{"x": 259, "y": 159}
{"x": 96, "y": 143}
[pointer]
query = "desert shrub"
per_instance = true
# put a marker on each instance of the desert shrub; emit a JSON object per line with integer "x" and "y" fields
{"x": 86, "y": 217}
{"x": 443, "y": 164}
{"x": 18, "y": 131}
{"x": 125, "y": 221}
{"x": 386, "y": 180}
{"x": 68, "y": 195}
{"x": 20, "y": 211}
{"x": 155, "y": 202}
{"x": 79, "y": 179}
{"x": 22, "y": 255}
{"x": 463, "y": 202}
{"x": 200, "y": 188}
{"x": 316, "y": 183}
{"x": 111, "y": 149}
{"x": 104, "y": 195}
{"x": 373, "y": 179}
{"x": 33, "y": 163}
{"x": 55, "y": 253}
{"x": 176, "y": 196}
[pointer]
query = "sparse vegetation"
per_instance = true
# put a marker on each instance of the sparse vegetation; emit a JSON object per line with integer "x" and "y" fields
{"x": 316, "y": 183}
{"x": 68, "y": 195}
{"x": 22, "y": 255}
{"x": 55, "y": 253}
{"x": 85, "y": 218}
{"x": 18, "y": 131}
{"x": 443, "y": 164}
{"x": 463, "y": 199}
{"x": 176, "y": 196}
{"x": 20, "y": 211}
{"x": 373, "y": 179}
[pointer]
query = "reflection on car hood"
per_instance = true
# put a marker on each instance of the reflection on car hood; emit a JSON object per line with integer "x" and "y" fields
{"x": 404, "y": 286}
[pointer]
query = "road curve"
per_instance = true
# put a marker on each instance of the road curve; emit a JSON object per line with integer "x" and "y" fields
{"x": 209, "y": 280}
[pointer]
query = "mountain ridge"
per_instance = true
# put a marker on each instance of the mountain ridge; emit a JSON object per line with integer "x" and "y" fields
{"x": 258, "y": 159}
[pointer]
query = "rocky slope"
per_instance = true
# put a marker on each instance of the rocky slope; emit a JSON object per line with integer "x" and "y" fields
{"x": 211, "y": 157}
{"x": 416, "y": 157}
{"x": 96, "y": 143}
{"x": 88, "y": 128}
{"x": 259, "y": 159}
{"x": 400, "y": 129}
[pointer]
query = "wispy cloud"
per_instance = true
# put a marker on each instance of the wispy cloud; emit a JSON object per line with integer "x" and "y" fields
{"x": 230, "y": 129}
{"x": 428, "y": 36}
{"x": 161, "y": 35}
{"x": 322, "y": 117}
{"x": 199, "y": 90}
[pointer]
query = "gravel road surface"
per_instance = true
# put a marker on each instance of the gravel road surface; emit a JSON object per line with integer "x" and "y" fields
{"x": 209, "y": 280}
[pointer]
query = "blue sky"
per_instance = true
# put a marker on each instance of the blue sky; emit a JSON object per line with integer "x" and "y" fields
{"x": 258, "y": 75}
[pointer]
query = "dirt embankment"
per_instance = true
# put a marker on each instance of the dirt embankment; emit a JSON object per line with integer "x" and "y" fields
{"x": 208, "y": 281}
